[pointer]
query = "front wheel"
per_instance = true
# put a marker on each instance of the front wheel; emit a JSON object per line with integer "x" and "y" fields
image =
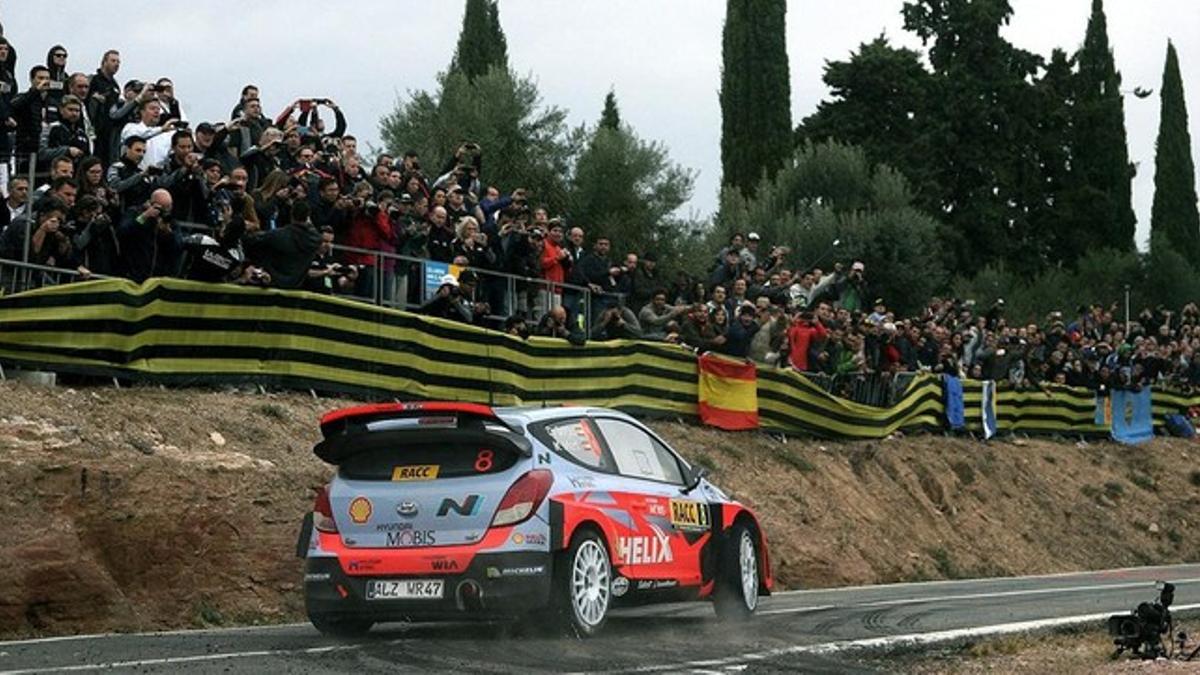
{"x": 736, "y": 593}
{"x": 340, "y": 627}
{"x": 581, "y": 584}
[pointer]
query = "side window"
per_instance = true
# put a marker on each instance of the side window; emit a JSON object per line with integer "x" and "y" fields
{"x": 637, "y": 454}
{"x": 577, "y": 439}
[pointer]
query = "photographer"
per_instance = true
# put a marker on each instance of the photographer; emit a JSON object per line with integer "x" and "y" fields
{"x": 325, "y": 274}
{"x": 616, "y": 323}
{"x": 151, "y": 242}
{"x": 274, "y": 198}
{"x": 805, "y": 330}
{"x": 450, "y": 301}
{"x": 371, "y": 229}
{"x": 157, "y": 137}
{"x": 48, "y": 244}
{"x": 851, "y": 288}
{"x": 183, "y": 176}
{"x": 216, "y": 257}
{"x": 31, "y": 109}
{"x": 331, "y": 208}
{"x": 263, "y": 158}
{"x": 94, "y": 239}
{"x": 465, "y": 167}
{"x": 284, "y": 255}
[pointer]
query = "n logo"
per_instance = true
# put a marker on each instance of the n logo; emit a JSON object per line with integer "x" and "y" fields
{"x": 469, "y": 506}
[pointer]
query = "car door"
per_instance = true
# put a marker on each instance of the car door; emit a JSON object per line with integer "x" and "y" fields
{"x": 671, "y": 527}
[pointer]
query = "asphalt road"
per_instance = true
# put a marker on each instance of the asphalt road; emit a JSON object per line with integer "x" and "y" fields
{"x": 811, "y": 631}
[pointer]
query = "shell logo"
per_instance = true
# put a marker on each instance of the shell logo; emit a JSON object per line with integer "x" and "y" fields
{"x": 518, "y": 538}
{"x": 360, "y": 510}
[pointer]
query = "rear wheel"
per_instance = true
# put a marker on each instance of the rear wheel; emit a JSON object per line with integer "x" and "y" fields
{"x": 736, "y": 594}
{"x": 582, "y": 575}
{"x": 340, "y": 626}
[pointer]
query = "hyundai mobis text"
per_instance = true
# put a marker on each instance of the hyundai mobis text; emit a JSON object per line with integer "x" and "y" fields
{"x": 453, "y": 510}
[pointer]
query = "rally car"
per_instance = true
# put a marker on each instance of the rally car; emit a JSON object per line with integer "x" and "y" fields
{"x": 452, "y": 510}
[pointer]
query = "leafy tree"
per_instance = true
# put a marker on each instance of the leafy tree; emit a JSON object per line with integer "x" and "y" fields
{"x": 524, "y": 143}
{"x": 1174, "y": 221}
{"x": 1101, "y": 155}
{"x": 481, "y": 42}
{"x": 626, "y": 188}
{"x": 611, "y": 117}
{"x": 755, "y": 92}
{"x": 829, "y": 192}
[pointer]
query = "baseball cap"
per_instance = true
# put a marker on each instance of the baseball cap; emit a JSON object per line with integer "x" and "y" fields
{"x": 468, "y": 277}
{"x": 205, "y": 128}
{"x": 448, "y": 280}
{"x": 456, "y": 188}
{"x": 858, "y": 266}
{"x": 753, "y": 236}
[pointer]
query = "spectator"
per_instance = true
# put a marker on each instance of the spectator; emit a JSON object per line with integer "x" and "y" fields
{"x": 67, "y": 137}
{"x": 126, "y": 178}
{"x": 325, "y": 274}
{"x": 697, "y": 333}
{"x": 16, "y": 203}
{"x": 741, "y": 332}
{"x": 554, "y": 265}
{"x": 804, "y": 331}
{"x": 150, "y": 240}
{"x": 32, "y": 110}
{"x": 554, "y": 324}
{"x": 657, "y": 315}
{"x": 49, "y": 245}
{"x": 646, "y": 280}
{"x": 285, "y": 255}
{"x": 157, "y": 137}
{"x": 94, "y": 239}
{"x": 103, "y": 94}
{"x": 616, "y": 323}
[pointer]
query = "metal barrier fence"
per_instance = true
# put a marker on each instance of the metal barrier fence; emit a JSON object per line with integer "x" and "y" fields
{"x": 17, "y": 276}
{"x": 881, "y": 390}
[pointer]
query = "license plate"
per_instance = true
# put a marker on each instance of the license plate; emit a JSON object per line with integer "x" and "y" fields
{"x": 405, "y": 589}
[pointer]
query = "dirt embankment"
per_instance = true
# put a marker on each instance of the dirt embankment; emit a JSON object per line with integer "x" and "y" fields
{"x": 145, "y": 508}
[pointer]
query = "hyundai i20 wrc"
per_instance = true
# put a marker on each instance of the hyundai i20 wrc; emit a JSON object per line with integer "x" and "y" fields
{"x": 451, "y": 510}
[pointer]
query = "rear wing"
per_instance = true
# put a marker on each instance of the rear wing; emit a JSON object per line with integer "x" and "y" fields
{"x": 352, "y": 430}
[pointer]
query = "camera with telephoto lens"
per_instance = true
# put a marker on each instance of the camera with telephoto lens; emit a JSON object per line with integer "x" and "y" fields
{"x": 1140, "y": 631}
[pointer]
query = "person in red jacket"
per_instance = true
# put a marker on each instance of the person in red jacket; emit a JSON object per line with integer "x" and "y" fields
{"x": 553, "y": 270}
{"x": 800, "y": 336}
{"x": 371, "y": 229}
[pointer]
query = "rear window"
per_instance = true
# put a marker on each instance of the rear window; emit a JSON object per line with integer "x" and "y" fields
{"x": 400, "y": 462}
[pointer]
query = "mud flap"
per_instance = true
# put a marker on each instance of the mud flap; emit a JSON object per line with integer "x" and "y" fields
{"x": 305, "y": 538}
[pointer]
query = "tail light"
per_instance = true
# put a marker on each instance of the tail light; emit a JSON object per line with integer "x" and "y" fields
{"x": 323, "y": 512}
{"x": 523, "y": 498}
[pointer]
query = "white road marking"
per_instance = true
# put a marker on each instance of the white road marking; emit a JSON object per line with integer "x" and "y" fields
{"x": 184, "y": 631}
{"x": 172, "y": 660}
{"x": 971, "y": 596}
{"x": 953, "y": 582}
{"x": 909, "y": 639}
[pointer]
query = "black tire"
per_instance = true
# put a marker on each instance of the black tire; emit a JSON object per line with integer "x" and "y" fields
{"x": 735, "y": 596}
{"x": 583, "y": 572}
{"x": 340, "y": 626}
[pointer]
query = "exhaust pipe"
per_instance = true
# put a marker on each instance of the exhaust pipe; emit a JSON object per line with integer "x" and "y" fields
{"x": 470, "y": 596}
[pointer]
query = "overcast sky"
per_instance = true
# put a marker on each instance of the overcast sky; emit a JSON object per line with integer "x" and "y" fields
{"x": 663, "y": 57}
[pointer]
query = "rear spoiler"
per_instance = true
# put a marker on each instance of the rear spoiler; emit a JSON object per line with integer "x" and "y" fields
{"x": 344, "y": 430}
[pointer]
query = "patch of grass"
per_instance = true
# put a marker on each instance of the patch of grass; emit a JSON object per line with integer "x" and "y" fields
{"x": 1195, "y": 478}
{"x": 1114, "y": 489}
{"x": 733, "y": 451}
{"x": 271, "y": 410}
{"x": 945, "y": 564}
{"x": 966, "y": 475}
{"x": 1144, "y": 481}
{"x": 205, "y": 614}
{"x": 1092, "y": 492}
{"x": 1050, "y": 459}
{"x": 795, "y": 461}
{"x": 1174, "y": 537}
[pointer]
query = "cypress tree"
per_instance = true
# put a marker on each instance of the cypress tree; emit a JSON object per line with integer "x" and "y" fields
{"x": 481, "y": 43}
{"x": 756, "y": 116}
{"x": 1100, "y": 153}
{"x": 1174, "y": 219}
{"x": 611, "y": 117}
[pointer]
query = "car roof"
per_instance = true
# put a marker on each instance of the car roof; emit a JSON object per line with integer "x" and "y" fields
{"x": 523, "y": 415}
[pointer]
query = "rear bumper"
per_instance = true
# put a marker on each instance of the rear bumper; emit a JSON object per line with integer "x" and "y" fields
{"x": 507, "y": 584}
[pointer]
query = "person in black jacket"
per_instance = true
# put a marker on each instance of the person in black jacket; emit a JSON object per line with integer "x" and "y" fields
{"x": 94, "y": 239}
{"x": 285, "y": 254}
{"x": 8, "y": 90}
{"x": 132, "y": 185}
{"x": 33, "y": 110}
{"x": 151, "y": 242}
{"x": 104, "y": 93}
{"x": 67, "y": 137}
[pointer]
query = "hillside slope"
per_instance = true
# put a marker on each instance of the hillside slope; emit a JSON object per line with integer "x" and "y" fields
{"x": 148, "y": 508}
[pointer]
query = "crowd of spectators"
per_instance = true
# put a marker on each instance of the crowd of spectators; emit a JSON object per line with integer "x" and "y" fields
{"x": 124, "y": 185}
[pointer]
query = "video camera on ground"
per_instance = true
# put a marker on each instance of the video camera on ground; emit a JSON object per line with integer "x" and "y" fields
{"x": 1141, "y": 631}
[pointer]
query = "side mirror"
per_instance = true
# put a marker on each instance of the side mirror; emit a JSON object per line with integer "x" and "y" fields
{"x": 696, "y": 473}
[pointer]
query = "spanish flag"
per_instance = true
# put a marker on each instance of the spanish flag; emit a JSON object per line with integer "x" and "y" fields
{"x": 728, "y": 393}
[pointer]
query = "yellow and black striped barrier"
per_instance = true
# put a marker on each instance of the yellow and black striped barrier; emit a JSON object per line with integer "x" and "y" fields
{"x": 180, "y": 332}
